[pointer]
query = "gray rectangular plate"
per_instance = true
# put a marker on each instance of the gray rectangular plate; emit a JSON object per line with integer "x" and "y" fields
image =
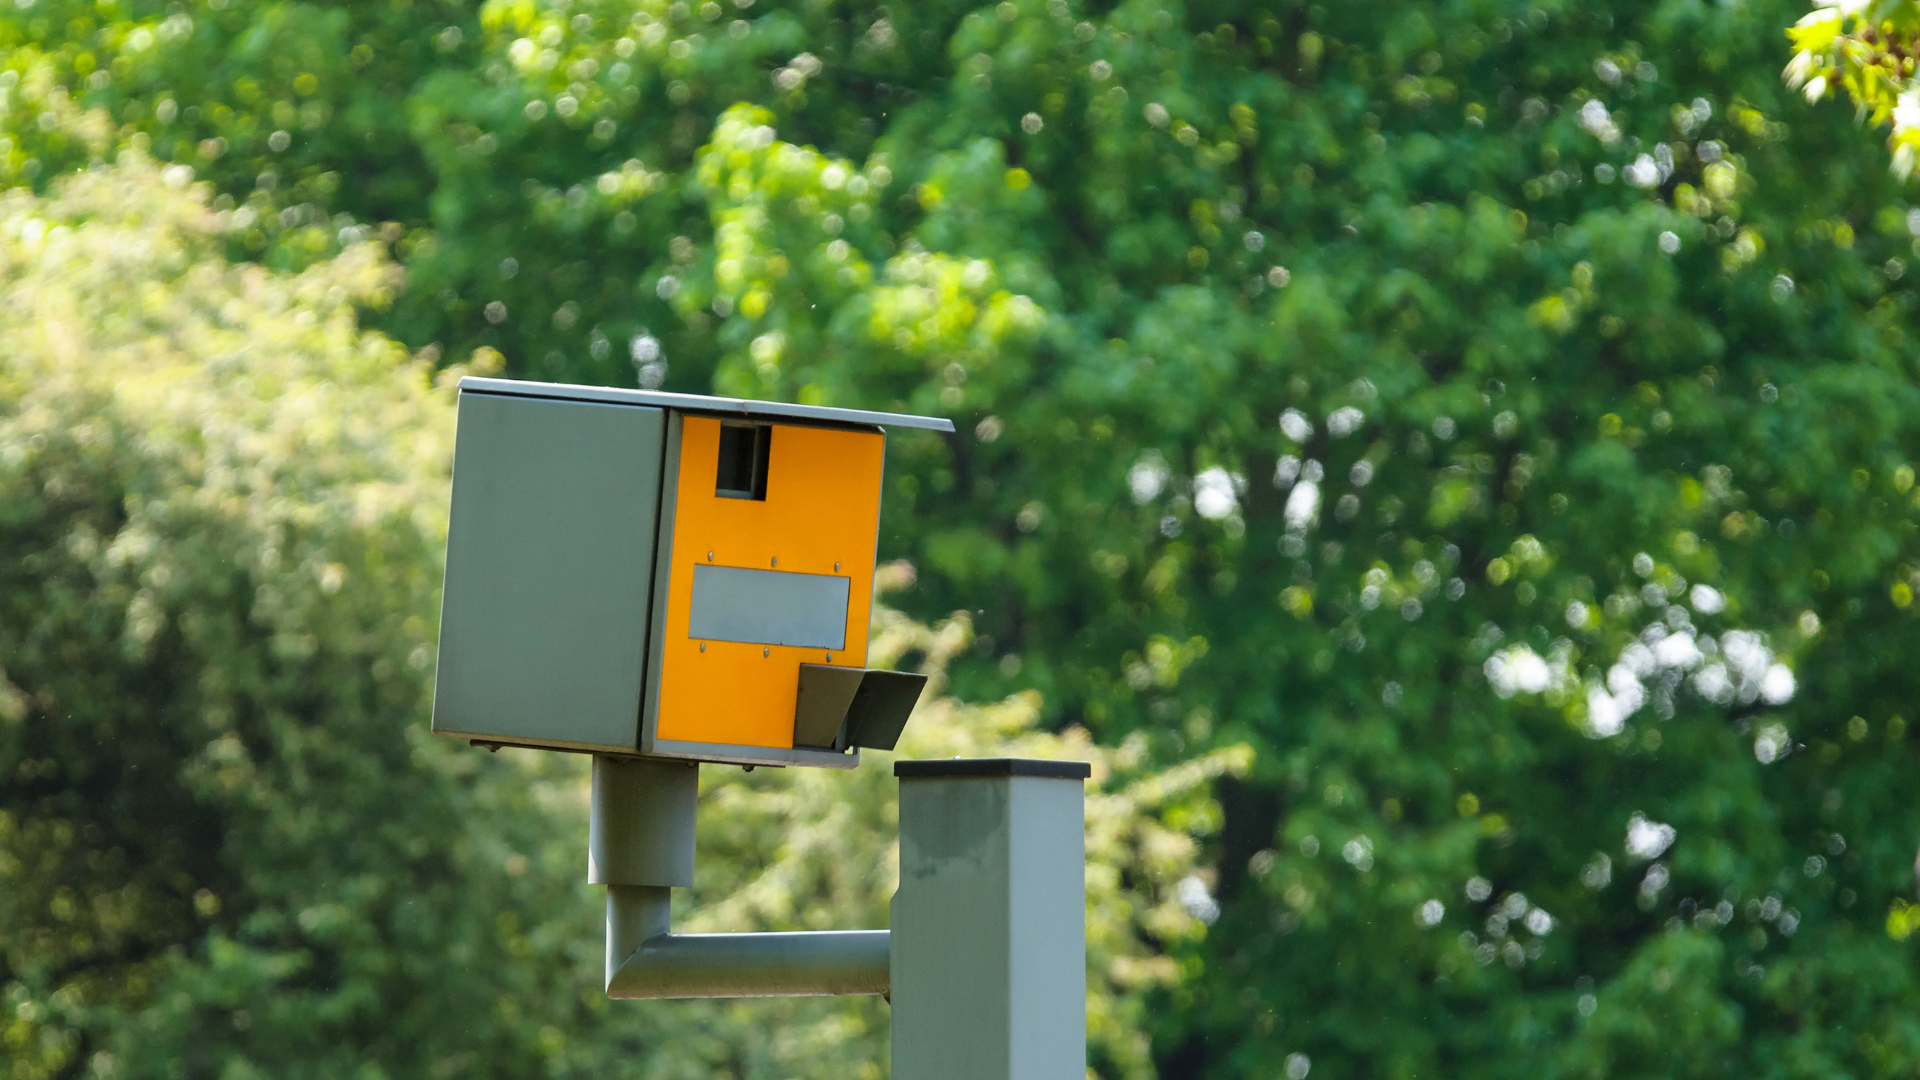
{"x": 769, "y": 607}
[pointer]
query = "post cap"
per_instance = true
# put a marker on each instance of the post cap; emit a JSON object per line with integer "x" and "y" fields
{"x": 1051, "y": 768}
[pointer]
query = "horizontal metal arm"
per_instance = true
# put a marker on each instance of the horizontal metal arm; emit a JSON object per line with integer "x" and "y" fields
{"x": 640, "y": 845}
{"x": 644, "y": 960}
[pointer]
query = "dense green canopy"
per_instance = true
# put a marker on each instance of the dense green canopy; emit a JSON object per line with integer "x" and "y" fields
{"x": 1497, "y": 415}
{"x": 228, "y": 845}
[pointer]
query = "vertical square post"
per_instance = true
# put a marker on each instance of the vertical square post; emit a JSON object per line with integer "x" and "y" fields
{"x": 989, "y": 953}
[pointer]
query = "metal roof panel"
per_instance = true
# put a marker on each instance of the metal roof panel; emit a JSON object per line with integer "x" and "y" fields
{"x": 702, "y": 403}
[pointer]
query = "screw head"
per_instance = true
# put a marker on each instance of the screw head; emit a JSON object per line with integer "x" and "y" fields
{"x": 766, "y": 651}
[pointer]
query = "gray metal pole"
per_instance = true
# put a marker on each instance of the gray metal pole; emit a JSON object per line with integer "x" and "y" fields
{"x": 640, "y": 845}
{"x": 989, "y": 924}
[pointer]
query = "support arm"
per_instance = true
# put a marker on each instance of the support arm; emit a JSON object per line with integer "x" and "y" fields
{"x": 644, "y": 960}
{"x": 641, "y": 845}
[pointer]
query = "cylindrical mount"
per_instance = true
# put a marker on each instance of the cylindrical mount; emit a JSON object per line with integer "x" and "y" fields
{"x": 640, "y": 831}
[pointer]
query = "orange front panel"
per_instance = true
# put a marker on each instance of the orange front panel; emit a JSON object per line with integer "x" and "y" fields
{"x": 821, "y": 516}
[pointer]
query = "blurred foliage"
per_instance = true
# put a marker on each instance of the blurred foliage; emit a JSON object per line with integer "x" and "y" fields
{"x": 225, "y": 846}
{"x": 1865, "y": 47}
{"x": 1499, "y": 415}
{"x": 228, "y": 845}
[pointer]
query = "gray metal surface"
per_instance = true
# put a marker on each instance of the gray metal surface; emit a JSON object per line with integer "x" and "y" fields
{"x": 702, "y": 404}
{"x": 642, "y": 828}
{"x": 769, "y": 607}
{"x": 838, "y": 707}
{"x": 737, "y": 754}
{"x": 640, "y": 825}
{"x": 634, "y": 914}
{"x": 820, "y": 709}
{"x": 662, "y": 575}
{"x": 989, "y": 928}
{"x": 1059, "y": 768}
{"x": 799, "y": 964}
{"x": 881, "y": 707}
{"x": 550, "y": 551}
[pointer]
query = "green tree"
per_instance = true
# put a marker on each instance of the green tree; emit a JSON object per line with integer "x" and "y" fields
{"x": 1498, "y": 415}
{"x": 1865, "y": 49}
{"x": 223, "y": 845}
{"x": 228, "y": 844}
